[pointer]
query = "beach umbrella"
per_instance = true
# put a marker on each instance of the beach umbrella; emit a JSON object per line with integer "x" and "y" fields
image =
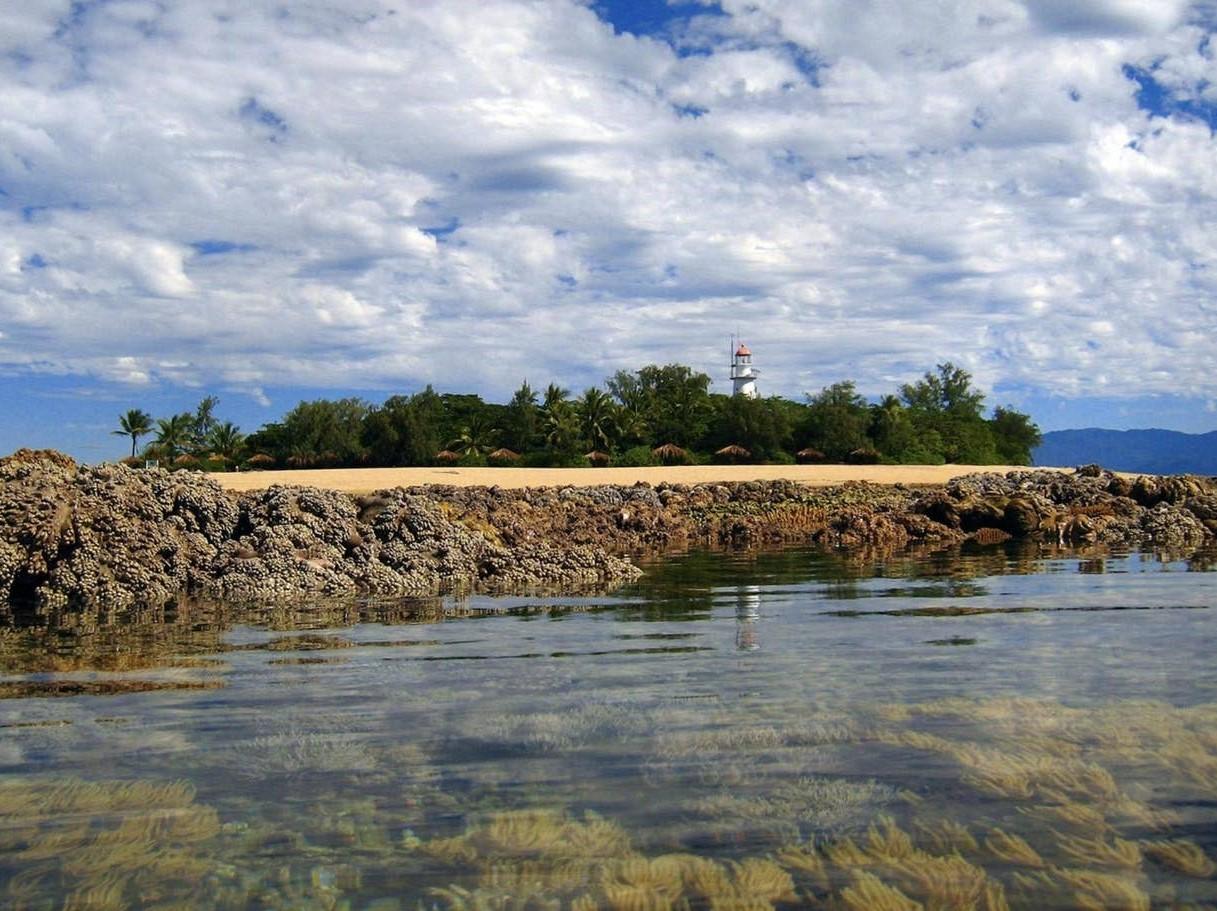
{"x": 596, "y": 457}
{"x": 504, "y": 454}
{"x": 447, "y": 456}
{"x": 810, "y": 455}
{"x": 733, "y": 453}
{"x": 259, "y": 460}
{"x": 670, "y": 454}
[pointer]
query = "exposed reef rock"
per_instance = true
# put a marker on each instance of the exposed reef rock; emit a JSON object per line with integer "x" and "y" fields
{"x": 1087, "y": 506}
{"x": 118, "y": 536}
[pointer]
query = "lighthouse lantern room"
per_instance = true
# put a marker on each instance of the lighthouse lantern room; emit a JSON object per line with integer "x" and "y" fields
{"x": 743, "y": 374}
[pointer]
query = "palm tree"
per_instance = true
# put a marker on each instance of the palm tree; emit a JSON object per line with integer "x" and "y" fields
{"x": 226, "y": 440}
{"x": 173, "y": 435}
{"x": 203, "y": 422}
{"x": 134, "y": 424}
{"x": 475, "y": 438}
{"x": 561, "y": 428}
{"x": 598, "y": 418}
{"x": 555, "y": 396}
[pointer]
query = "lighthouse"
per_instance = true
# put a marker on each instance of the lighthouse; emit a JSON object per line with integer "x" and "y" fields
{"x": 743, "y": 374}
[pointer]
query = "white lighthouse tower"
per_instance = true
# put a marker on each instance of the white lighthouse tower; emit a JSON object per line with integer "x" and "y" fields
{"x": 743, "y": 374}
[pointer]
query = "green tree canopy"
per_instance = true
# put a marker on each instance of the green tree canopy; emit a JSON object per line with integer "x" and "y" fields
{"x": 521, "y": 420}
{"x": 475, "y": 438}
{"x": 174, "y": 435}
{"x": 946, "y": 391}
{"x": 672, "y": 401}
{"x": 404, "y": 430}
{"x": 1015, "y": 436}
{"x": 321, "y": 432}
{"x": 226, "y": 441}
{"x": 836, "y": 422}
{"x": 204, "y": 420}
{"x": 598, "y": 419}
{"x": 759, "y": 425}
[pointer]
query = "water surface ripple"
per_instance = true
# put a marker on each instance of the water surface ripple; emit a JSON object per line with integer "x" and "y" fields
{"x": 992, "y": 729}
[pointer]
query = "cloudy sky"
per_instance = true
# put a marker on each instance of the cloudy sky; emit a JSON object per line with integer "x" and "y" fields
{"x": 269, "y": 200}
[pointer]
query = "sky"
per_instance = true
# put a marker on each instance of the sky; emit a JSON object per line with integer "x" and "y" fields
{"x": 270, "y": 201}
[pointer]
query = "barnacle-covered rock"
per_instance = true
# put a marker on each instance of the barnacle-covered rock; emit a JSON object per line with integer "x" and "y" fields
{"x": 1089, "y": 505}
{"x": 120, "y": 536}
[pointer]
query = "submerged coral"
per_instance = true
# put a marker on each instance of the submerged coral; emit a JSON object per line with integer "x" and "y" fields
{"x": 100, "y": 842}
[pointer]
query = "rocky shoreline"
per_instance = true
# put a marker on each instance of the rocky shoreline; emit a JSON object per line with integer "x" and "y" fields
{"x": 113, "y": 536}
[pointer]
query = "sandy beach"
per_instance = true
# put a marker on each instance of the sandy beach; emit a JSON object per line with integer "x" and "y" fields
{"x": 365, "y": 480}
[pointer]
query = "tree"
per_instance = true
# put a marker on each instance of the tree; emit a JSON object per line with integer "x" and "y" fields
{"x": 461, "y": 411}
{"x": 949, "y": 391}
{"x": 597, "y": 418}
{"x": 632, "y": 418}
{"x": 1015, "y": 435}
{"x": 673, "y": 402}
{"x": 475, "y": 438}
{"x": 404, "y": 430}
{"x": 134, "y": 424}
{"x": 226, "y": 441}
{"x": 759, "y": 425}
{"x": 894, "y": 434}
{"x": 204, "y": 419}
{"x": 836, "y": 422}
{"x": 554, "y": 395}
{"x": 174, "y": 435}
{"x": 945, "y": 403}
{"x": 322, "y": 431}
{"x": 521, "y": 419}
{"x": 561, "y": 427}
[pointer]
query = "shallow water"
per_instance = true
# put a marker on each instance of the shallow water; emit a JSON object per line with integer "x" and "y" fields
{"x": 984, "y": 730}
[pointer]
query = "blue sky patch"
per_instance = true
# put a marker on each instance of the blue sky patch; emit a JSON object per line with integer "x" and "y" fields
{"x": 650, "y": 18}
{"x": 1157, "y": 100}
{"x": 443, "y": 232}
{"x": 253, "y": 111}
{"x": 690, "y": 111}
{"x": 217, "y": 247}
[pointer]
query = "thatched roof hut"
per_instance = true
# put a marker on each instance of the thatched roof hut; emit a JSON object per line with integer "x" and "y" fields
{"x": 864, "y": 456}
{"x": 733, "y": 453}
{"x": 810, "y": 455}
{"x": 671, "y": 454}
{"x": 447, "y": 457}
{"x": 186, "y": 460}
{"x": 504, "y": 454}
{"x": 258, "y": 461}
{"x": 598, "y": 458}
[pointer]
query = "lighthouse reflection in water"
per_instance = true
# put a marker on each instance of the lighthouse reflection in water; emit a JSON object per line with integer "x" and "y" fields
{"x": 747, "y": 618}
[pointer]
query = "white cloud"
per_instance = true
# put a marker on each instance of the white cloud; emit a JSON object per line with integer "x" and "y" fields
{"x": 243, "y": 195}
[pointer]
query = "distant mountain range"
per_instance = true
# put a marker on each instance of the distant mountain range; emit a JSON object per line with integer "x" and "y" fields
{"x": 1148, "y": 451}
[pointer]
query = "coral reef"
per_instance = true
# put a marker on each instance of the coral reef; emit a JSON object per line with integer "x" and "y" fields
{"x": 73, "y": 535}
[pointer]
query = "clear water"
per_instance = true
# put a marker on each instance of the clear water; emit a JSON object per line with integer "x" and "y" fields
{"x": 736, "y": 731}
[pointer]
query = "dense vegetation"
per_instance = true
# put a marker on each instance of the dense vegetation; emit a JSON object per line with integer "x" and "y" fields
{"x": 650, "y": 416}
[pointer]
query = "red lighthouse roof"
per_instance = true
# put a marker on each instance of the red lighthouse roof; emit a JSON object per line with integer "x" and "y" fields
{"x": 743, "y": 351}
